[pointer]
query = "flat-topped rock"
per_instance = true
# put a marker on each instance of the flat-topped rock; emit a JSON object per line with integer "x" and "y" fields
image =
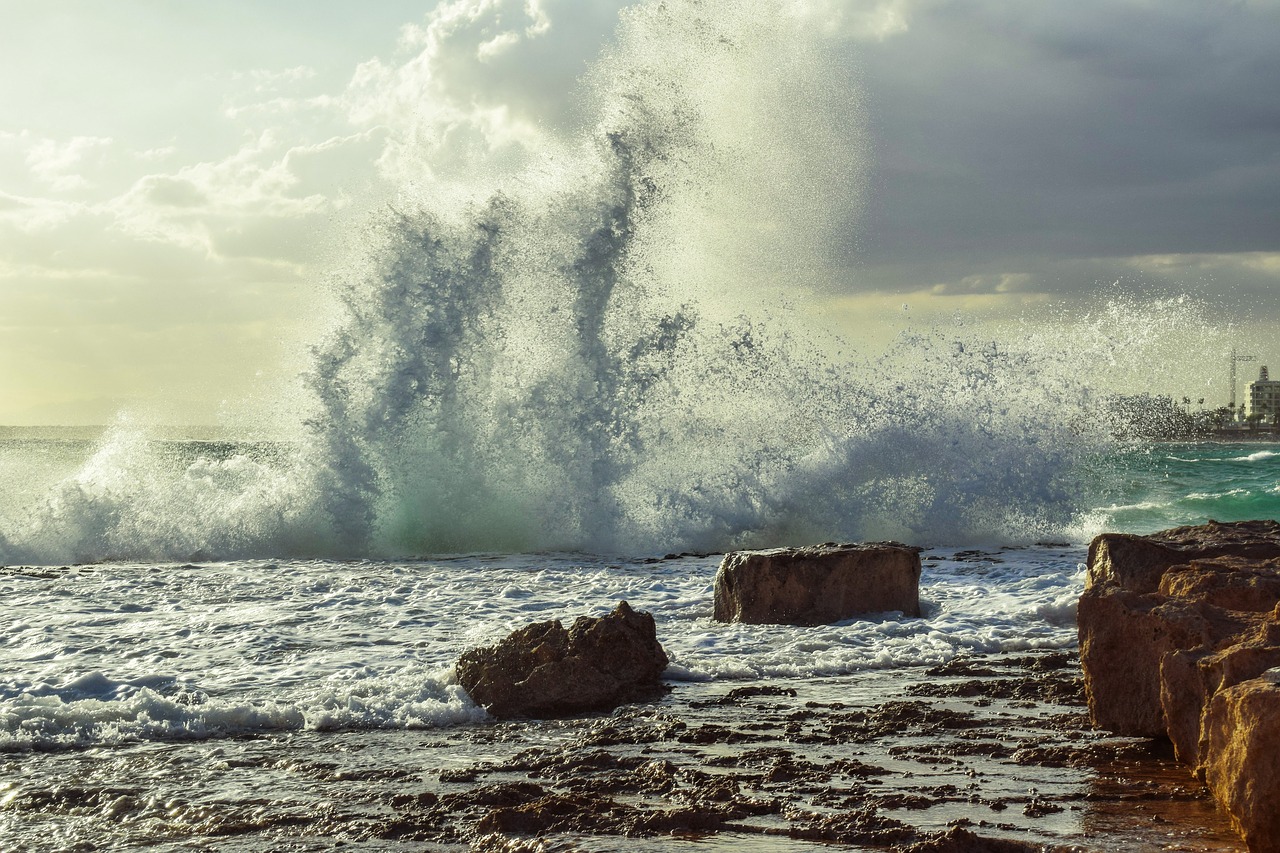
{"x": 545, "y": 670}
{"x": 817, "y": 585}
{"x": 1180, "y": 637}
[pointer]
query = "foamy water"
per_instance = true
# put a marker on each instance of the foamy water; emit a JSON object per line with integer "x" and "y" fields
{"x": 115, "y": 654}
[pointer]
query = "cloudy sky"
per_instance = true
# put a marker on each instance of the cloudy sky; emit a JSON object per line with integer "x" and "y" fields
{"x": 179, "y": 180}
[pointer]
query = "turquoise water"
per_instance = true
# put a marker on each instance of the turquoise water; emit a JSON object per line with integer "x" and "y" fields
{"x": 1153, "y": 487}
{"x": 86, "y": 501}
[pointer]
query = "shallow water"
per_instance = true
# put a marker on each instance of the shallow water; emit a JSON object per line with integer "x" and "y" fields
{"x": 285, "y": 706}
{"x": 114, "y": 653}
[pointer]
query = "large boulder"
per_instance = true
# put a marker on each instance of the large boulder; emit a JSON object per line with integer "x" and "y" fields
{"x": 545, "y": 670}
{"x": 1148, "y": 597}
{"x": 1176, "y": 630}
{"x": 1124, "y": 639}
{"x": 818, "y": 585}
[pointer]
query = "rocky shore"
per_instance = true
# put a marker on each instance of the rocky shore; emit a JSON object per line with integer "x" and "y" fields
{"x": 991, "y": 753}
{"x": 1180, "y": 639}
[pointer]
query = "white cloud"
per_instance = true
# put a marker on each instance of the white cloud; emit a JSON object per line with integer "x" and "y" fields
{"x": 11, "y": 202}
{"x": 997, "y": 283}
{"x": 160, "y": 153}
{"x": 267, "y": 179}
{"x": 272, "y": 79}
{"x": 53, "y": 161}
{"x": 28, "y": 215}
{"x": 480, "y": 84}
{"x": 875, "y": 20}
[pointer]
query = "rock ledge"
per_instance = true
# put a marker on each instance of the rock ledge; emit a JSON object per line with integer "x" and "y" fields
{"x": 1179, "y": 635}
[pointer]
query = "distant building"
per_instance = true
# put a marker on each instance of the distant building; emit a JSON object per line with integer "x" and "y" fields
{"x": 1264, "y": 397}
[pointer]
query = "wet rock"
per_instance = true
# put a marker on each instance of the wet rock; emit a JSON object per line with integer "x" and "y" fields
{"x": 595, "y": 815}
{"x": 544, "y": 670}
{"x": 739, "y": 695}
{"x": 861, "y": 826}
{"x": 1124, "y": 638}
{"x": 960, "y": 840}
{"x": 818, "y": 585}
{"x": 1137, "y": 563}
{"x": 1188, "y": 589}
{"x": 1175, "y": 631}
{"x": 1242, "y": 758}
{"x": 1190, "y": 678}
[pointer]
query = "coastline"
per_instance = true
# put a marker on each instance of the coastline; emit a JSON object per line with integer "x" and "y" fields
{"x": 998, "y": 746}
{"x": 1230, "y": 437}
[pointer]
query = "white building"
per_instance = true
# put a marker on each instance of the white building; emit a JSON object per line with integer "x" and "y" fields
{"x": 1264, "y": 396}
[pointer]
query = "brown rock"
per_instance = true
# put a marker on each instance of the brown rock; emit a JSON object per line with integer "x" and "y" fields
{"x": 1149, "y": 597}
{"x": 1232, "y": 583}
{"x": 1124, "y": 637}
{"x": 1175, "y": 630}
{"x": 818, "y": 585}
{"x": 544, "y": 670}
{"x": 1242, "y": 733}
{"x": 1190, "y": 678}
{"x": 1138, "y": 562}
{"x": 960, "y": 840}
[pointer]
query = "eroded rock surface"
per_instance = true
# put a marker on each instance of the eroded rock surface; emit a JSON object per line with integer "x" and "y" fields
{"x": 818, "y": 585}
{"x": 796, "y": 762}
{"x": 545, "y": 670}
{"x": 1176, "y": 630}
{"x": 1242, "y": 758}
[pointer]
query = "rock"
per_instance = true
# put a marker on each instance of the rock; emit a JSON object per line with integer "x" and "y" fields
{"x": 1190, "y": 678}
{"x": 1242, "y": 768}
{"x": 1124, "y": 639}
{"x": 960, "y": 840}
{"x": 544, "y": 670}
{"x": 818, "y": 585}
{"x": 1138, "y": 563}
{"x": 1178, "y": 632}
{"x": 1147, "y": 597}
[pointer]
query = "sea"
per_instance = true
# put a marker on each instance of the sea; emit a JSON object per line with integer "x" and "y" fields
{"x": 574, "y": 378}
{"x": 280, "y": 703}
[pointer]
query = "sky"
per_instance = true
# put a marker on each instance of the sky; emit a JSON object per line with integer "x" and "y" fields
{"x": 180, "y": 182}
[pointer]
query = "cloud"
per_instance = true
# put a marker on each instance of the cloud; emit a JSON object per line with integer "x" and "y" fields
{"x": 211, "y": 205}
{"x": 53, "y": 161}
{"x": 972, "y": 285}
{"x": 875, "y": 20}
{"x": 10, "y": 202}
{"x": 480, "y": 81}
{"x": 264, "y": 80}
{"x": 167, "y": 191}
{"x": 1087, "y": 129}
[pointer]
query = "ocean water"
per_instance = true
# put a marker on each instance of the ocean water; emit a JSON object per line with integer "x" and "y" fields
{"x": 1165, "y": 485}
{"x": 540, "y": 383}
{"x": 226, "y": 704}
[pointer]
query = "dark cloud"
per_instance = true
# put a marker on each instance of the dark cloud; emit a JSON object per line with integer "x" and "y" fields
{"x": 1019, "y": 135}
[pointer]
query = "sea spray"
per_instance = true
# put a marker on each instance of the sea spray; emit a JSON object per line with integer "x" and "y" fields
{"x": 600, "y": 352}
